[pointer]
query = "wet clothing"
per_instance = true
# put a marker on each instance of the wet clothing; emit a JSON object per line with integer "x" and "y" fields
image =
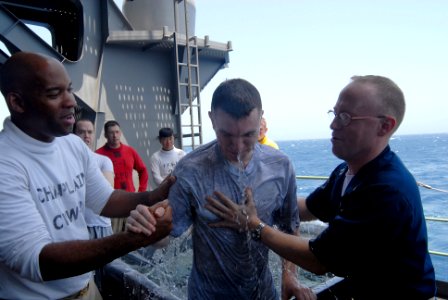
{"x": 45, "y": 189}
{"x": 377, "y": 236}
{"x": 227, "y": 264}
{"x": 126, "y": 159}
{"x": 163, "y": 162}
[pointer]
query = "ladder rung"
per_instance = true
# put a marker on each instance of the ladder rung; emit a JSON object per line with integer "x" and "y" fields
{"x": 198, "y": 125}
{"x": 192, "y": 65}
{"x": 187, "y": 135}
{"x": 188, "y": 84}
{"x": 192, "y": 146}
{"x": 188, "y": 105}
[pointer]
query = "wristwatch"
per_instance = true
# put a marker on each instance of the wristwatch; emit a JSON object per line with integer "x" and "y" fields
{"x": 255, "y": 234}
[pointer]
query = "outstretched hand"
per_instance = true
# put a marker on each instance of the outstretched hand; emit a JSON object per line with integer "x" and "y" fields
{"x": 234, "y": 216}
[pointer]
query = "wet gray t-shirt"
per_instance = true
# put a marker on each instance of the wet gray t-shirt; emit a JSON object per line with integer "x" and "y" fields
{"x": 227, "y": 264}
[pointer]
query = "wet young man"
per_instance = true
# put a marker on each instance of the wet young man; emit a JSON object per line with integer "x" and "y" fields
{"x": 48, "y": 177}
{"x": 228, "y": 264}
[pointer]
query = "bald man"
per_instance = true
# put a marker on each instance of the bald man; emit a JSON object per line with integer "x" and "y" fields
{"x": 48, "y": 177}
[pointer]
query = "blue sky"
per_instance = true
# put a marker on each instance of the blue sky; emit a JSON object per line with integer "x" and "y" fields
{"x": 300, "y": 54}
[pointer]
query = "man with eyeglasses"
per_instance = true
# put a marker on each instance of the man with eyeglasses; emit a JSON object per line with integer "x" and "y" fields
{"x": 376, "y": 236}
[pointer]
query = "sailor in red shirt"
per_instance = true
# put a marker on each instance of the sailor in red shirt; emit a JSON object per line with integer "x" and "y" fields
{"x": 125, "y": 159}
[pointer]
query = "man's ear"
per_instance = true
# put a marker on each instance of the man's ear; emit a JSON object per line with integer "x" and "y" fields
{"x": 210, "y": 115}
{"x": 15, "y": 102}
{"x": 387, "y": 125}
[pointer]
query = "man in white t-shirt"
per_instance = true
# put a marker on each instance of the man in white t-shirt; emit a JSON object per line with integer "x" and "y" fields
{"x": 165, "y": 160}
{"x": 97, "y": 225}
{"x": 49, "y": 177}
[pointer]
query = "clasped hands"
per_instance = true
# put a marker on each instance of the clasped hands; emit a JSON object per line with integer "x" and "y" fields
{"x": 147, "y": 220}
{"x": 158, "y": 217}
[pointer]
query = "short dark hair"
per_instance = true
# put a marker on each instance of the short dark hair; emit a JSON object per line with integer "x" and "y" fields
{"x": 165, "y": 132}
{"x": 81, "y": 120}
{"x": 237, "y": 97}
{"x": 109, "y": 124}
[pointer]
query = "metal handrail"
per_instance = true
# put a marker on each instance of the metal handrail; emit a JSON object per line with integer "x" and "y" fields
{"x": 438, "y": 219}
{"x": 435, "y": 219}
{"x": 438, "y": 253}
{"x": 311, "y": 177}
{"x": 426, "y": 186}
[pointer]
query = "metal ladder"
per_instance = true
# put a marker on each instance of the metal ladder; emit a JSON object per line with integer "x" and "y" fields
{"x": 188, "y": 84}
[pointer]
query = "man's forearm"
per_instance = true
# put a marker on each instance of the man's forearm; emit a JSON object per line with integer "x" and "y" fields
{"x": 289, "y": 268}
{"x": 121, "y": 202}
{"x": 71, "y": 258}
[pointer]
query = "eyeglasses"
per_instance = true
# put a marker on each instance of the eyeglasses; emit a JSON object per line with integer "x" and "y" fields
{"x": 345, "y": 119}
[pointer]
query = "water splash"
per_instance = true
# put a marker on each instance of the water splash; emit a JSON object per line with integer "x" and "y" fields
{"x": 170, "y": 268}
{"x": 243, "y": 180}
{"x": 243, "y": 183}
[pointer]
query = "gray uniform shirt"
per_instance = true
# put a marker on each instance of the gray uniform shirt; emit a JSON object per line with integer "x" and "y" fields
{"x": 228, "y": 264}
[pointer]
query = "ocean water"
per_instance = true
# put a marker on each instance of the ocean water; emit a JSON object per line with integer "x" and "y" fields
{"x": 426, "y": 156}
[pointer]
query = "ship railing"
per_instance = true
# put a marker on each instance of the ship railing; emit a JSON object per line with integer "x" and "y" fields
{"x": 423, "y": 185}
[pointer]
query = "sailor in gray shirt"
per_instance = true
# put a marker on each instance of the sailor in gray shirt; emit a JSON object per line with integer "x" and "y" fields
{"x": 228, "y": 264}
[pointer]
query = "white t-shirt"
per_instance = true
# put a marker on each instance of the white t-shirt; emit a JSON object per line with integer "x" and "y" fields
{"x": 93, "y": 219}
{"x": 45, "y": 189}
{"x": 163, "y": 162}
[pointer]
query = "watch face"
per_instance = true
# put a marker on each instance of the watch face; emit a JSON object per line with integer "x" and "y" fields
{"x": 256, "y": 233}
